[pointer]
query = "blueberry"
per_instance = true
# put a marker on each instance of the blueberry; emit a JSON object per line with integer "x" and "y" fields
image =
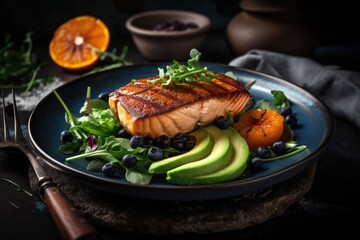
{"x": 66, "y": 136}
{"x": 263, "y": 152}
{"x": 291, "y": 120}
{"x": 148, "y": 141}
{"x": 181, "y": 136}
{"x": 136, "y": 141}
{"x": 163, "y": 141}
{"x": 255, "y": 163}
{"x": 122, "y": 133}
{"x": 286, "y": 111}
{"x": 278, "y": 147}
{"x": 104, "y": 96}
{"x": 129, "y": 160}
{"x": 155, "y": 154}
{"x": 109, "y": 169}
{"x": 178, "y": 145}
{"x": 188, "y": 145}
{"x": 222, "y": 122}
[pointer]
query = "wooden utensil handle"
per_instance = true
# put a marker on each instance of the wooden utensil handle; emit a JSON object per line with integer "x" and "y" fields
{"x": 71, "y": 224}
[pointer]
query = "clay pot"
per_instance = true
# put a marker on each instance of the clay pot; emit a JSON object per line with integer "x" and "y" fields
{"x": 278, "y": 26}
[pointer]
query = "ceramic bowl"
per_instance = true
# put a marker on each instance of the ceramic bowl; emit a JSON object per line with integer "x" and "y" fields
{"x": 167, "y": 44}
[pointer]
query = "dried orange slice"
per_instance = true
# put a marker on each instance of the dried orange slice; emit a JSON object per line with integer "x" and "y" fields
{"x": 260, "y": 127}
{"x": 72, "y": 44}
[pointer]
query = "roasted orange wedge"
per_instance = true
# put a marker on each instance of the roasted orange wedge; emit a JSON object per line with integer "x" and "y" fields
{"x": 260, "y": 127}
{"x": 72, "y": 46}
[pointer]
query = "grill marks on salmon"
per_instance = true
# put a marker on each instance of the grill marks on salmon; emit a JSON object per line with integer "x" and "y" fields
{"x": 153, "y": 110}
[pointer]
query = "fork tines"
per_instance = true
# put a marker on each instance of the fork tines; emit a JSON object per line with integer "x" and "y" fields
{"x": 5, "y": 126}
{"x": 17, "y": 125}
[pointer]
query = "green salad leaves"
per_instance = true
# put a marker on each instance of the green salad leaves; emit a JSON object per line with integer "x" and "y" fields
{"x": 94, "y": 138}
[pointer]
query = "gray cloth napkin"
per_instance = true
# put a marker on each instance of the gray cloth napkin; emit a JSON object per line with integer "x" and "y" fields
{"x": 338, "y": 88}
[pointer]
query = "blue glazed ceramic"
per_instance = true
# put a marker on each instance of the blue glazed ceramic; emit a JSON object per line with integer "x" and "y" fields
{"x": 315, "y": 119}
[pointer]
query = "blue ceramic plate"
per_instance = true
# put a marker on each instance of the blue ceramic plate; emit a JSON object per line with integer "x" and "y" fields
{"x": 47, "y": 121}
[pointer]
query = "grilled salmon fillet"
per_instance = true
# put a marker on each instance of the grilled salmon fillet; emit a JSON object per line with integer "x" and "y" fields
{"x": 150, "y": 109}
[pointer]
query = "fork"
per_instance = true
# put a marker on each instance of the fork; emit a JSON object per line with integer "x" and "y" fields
{"x": 69, "y": 221}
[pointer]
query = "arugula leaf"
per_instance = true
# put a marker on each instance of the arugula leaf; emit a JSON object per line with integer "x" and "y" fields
{"x": 110, "y": 60}
{"x": 280, "y": 101}
{"x": 18, "y": 65}
{"x": 69, "y": 117}
{"x": 71, "y": 147}
{"x": 137, "y": 178}
{"x": 112, "y": 151}
{"x": 179, "y": 73}
{"x": 292, "y": 149}
{"x": 16, "y": 62}
{"x": 95, "y": 165}
{"x": 94, "y": 136}
{"x": 100, "y": 122}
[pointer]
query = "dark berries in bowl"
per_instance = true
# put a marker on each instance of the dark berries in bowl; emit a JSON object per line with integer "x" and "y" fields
{"x": 173, "y": 26}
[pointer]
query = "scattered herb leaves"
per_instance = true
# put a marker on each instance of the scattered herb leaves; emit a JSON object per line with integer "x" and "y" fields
{"x": 19, "y": 64}
{"x": 18, "y": 187}
{"x": 110, "y": 60}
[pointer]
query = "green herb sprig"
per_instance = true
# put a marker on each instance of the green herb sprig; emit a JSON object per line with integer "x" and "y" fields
{"x": 18, "y": 187}
{"x": 179, "y": 73}
{"x": 19, "y": 65}
{"x": 110, "y": 60}
{"x": 280, "y": 101}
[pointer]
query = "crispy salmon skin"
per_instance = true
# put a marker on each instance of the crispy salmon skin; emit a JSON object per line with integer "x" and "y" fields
{"x": 151, "y": 109}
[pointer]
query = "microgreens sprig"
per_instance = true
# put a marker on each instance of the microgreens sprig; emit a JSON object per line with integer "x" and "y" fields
{"x": 110, "y": 60}
{"x": 179, "y": 73}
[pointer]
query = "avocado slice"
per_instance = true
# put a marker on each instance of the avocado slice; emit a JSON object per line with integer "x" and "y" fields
{"x": 219, "y": 157}
{"x": 234, "y": 169}
{"x": 203, "y": 147}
